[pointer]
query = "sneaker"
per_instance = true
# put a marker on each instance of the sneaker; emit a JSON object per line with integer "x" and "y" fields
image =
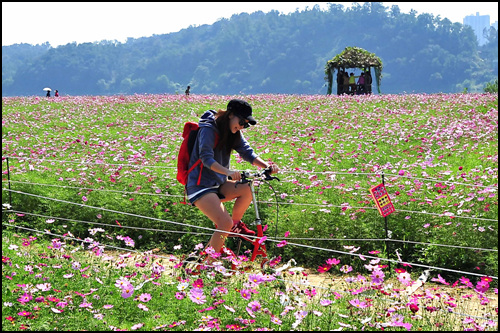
{"x": 241, "y": 228}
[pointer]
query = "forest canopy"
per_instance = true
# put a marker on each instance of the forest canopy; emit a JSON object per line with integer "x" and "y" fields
{"x": 262, "y": 53}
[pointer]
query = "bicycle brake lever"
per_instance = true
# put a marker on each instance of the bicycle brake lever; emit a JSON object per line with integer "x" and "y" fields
{"x": 269, "y": 177}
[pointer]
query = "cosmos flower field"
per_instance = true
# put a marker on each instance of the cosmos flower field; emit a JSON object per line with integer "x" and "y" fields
{"x": 94, "y": 231}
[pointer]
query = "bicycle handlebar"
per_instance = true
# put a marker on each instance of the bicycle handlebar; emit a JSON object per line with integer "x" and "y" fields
{"x": 247, "y": 176}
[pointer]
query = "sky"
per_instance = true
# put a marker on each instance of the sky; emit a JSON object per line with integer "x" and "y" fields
{"x": 60, "y": 23}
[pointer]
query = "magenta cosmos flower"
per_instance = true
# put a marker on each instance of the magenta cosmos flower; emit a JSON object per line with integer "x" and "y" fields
{"x": 246, "y": 294}
{"x": 144, "y": 297}
{"x": 196, "y": 296}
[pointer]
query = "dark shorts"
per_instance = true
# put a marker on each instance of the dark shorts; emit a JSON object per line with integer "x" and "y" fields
{"x": 197, "y": 192}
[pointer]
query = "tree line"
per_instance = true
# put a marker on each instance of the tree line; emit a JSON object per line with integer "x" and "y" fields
{"x": 263, "y": 53}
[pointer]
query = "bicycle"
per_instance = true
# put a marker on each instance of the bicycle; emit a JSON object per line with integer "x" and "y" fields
{"x": 193, "y": 265}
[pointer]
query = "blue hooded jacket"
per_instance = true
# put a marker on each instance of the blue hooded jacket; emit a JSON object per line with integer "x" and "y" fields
{"x": 204, "y": 149}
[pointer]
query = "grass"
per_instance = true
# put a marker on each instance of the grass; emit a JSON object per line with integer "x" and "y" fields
{"x": 65, "y": 284}
{"x": 438, "y": 155}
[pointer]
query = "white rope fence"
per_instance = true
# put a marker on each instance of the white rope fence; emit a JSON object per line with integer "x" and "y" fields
{"x": 282, "y": 280}
{"x": 270, "y": 239}
{"x": 275, "y": 238}
{"x": 265, "y": 202}
{"x": 284, "y": 171}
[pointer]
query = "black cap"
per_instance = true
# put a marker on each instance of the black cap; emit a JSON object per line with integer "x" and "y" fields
{"x": 242, "y": 109}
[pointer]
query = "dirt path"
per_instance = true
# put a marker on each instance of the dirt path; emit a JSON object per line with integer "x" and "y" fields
{"x": 466, "y": 300}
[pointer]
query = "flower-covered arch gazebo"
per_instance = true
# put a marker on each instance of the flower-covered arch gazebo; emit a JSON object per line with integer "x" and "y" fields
{"x": 353, "y": 57}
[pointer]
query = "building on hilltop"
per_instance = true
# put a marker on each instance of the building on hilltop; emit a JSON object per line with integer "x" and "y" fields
{"x": 479, "y": 24}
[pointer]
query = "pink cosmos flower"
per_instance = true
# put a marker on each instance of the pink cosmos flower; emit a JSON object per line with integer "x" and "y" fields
{"x": 346, "y": 269}
{"x": 246, "y": 293}
{"x": 25, "y": 298}
{"x": 325, "y": 302}
{"x": 24, "y": 313}
{"x": 86, "y": 305}
{"x": 276, "y": 320}
{"x": 405, "y": 278}
{"x": 482, "y": 286}
{"x": 196, "y": 296}
{"x": 198, "y": 283}
{"x": 136, "y": 326}
{"x": 44, "y": 286}
{"x": 255, "y": 306}
{"x": 127, "y": 291}
{"x": 255, "y": 278}
{"x": 333, "y": 261}
{"x": 324, "y": 268}
{"x": 311, "y": 293}
{"x": 486, "y": 279}
{"x": 145, "y": 298}
{"x": 142, "y": 307}
{"x": 282, "y": 243}
{"x": 377, "y": 276}
{"x": 358, "y": 304}
{"x": 228, "y": 308}
{"x": 62, "y": 305}
{"x": 440, "y": 279}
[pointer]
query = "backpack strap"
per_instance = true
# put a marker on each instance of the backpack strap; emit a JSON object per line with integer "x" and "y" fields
{"x": 195, "y": 164}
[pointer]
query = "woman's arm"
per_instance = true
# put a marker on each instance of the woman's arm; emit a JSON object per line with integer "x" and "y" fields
{"x": 263, "y": 164}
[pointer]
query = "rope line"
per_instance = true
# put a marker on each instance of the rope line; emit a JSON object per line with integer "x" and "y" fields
{"x": 386, "y": 240}
{"x": 160, "y": 256}
{"x": 95, "y": 189}
{"x": 124, "y": 213}
{"x": 492, "y": 186}
{"x": 443, "y": 215}
{"x": 273, "y": 240}
{"x": 109, "y": 225}
{"x": 396, "y": 210}
{"x": 91, "y": 163}
{"x": 283, "y": 280}
{"x": 264, "y": 202}
{"x": 276, "y": 239}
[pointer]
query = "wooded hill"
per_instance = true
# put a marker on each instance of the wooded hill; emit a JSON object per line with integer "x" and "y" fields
{"x": 262, "y": 53}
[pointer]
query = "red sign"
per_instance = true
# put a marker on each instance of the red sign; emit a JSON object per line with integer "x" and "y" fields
{"x": 381, "y": 197}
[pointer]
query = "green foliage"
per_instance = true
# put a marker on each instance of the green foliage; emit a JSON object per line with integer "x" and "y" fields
{"x": 66, "y": 284}
{"x": 110, "y": 162}
{"x": 491, "y": 87}
{"x": 261, "y": 53}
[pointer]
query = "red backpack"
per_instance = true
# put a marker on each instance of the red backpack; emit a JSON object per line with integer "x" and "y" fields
{"x": 189, "y": 137}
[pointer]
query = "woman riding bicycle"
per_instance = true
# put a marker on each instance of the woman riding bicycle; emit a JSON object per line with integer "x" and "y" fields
{"x": 208, "y": 186}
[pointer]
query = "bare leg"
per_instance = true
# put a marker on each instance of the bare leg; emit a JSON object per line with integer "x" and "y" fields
{"x": 241, "y": 193}
{"x": 212, "y": 207}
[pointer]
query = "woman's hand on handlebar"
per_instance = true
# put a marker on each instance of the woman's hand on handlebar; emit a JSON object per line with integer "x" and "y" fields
{"x": 234, "y": 175}
{"x": 273, "y": 168}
